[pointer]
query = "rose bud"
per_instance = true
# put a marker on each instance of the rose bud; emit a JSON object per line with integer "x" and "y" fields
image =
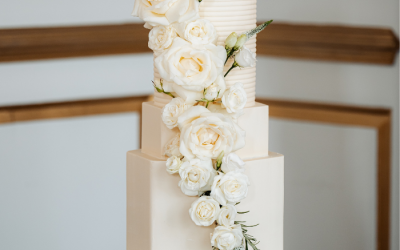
{"x": 240, "y": 42}
{"x": 230, "y": 41}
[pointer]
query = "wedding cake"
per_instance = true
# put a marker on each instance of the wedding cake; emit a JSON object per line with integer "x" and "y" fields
{"x": 204, "y": 177}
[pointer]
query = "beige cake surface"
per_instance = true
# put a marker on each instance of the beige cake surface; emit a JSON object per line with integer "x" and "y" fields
{"x": 228, "y": 16}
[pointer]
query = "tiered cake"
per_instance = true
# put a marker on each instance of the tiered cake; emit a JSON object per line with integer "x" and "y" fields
{"x": 157, "y": 210}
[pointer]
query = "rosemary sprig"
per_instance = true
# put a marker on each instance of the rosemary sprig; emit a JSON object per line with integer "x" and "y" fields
{"x": 258, "y": 29}
{"x": 249, "y": 239}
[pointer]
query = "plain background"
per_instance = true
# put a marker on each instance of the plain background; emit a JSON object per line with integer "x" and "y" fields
{"x": 62, "y": 182}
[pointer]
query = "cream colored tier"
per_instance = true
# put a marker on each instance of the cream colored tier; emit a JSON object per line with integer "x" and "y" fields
{"x": 155, "y": 135}
{"x": 228, "y": 16}
{"x": 158, "y": 211}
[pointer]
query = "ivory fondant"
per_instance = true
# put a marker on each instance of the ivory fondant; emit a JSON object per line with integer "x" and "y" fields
{"x": 228, "y": 16}
{"x": 254, "y": 121}
{"x": 158, "y": 211}
{"x": 155, "y": 134}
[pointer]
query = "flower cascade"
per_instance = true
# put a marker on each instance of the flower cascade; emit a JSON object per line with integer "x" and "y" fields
{"x": 205, "y": 111}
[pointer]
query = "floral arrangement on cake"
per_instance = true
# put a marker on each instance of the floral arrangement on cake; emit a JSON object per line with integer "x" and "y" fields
{"x": 205, "y": 110}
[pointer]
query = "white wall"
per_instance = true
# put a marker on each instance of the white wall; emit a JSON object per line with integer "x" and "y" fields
{"x": 62, "y": 181}
{"x": 359, "y": 84}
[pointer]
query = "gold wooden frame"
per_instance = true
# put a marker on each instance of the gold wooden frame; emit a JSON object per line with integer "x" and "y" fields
{"x": 379, "y": 119}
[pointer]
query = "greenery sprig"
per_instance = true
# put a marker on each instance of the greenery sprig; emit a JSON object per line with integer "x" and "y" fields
{"x": 248, "y": 239}
{"x": 206, "y": 193}
{"x": 205, "y": 102}
{"x": 234, "y": 65}
{"x": 161, "y": 90}
{"x": 257, "y": 29}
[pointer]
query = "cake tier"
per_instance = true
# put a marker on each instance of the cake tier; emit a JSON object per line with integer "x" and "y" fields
{"x": 158, "y": 212}
{"x": 155, "y": 135}
{"x": 228, "y": 16}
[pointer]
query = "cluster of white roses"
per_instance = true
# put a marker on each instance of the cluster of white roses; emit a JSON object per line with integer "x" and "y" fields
{"x": 191, "y": 67}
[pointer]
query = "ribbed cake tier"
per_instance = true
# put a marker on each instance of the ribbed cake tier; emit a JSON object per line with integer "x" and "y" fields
{"x": 254, "y": 121}
{"x": 228, "y": 16}
{"x": 158, "y": 212}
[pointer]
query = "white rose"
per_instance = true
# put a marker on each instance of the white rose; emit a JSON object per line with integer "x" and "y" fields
{"x": 227, "y": 215}
{"x": 245, "y": 58}
{"x": 199, "y": 32}
{"x": 204, "y": 211}
{"x": 173, "y": 165}
{"x": 196, "y": 176}
{"x": 205, "y": 135}
{"x": 161, "y": 38}
{"x": 230, "y": 188}
{"x": 166, "y": 12}
{"x": 172, "y": 111}
{"x": 234, "y": 98}
{"x": 216, "y": 89}
{"x": 172, "y": 147}
{"x": 217, "y": 108}
{"x": 227, "y": 238}
{"x": 231, "y": 162}
{"x": 192, "y": 68}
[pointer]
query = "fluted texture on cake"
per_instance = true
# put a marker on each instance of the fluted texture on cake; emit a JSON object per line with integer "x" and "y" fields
{"x": 228, "y": 16}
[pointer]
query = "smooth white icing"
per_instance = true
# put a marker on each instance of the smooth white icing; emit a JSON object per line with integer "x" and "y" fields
{"x": 228, "y": 16}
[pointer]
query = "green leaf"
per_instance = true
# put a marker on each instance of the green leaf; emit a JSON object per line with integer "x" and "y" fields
{"x": 250, "y": 226}
{"x": 219, "y": 160}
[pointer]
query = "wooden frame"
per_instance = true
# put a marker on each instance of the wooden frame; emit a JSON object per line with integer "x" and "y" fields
{"x": 379, "y": 119}
{"x": 318, "y": 42}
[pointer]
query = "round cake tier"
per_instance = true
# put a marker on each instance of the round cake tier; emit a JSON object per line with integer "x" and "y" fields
{"x": 228, "y": 16}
